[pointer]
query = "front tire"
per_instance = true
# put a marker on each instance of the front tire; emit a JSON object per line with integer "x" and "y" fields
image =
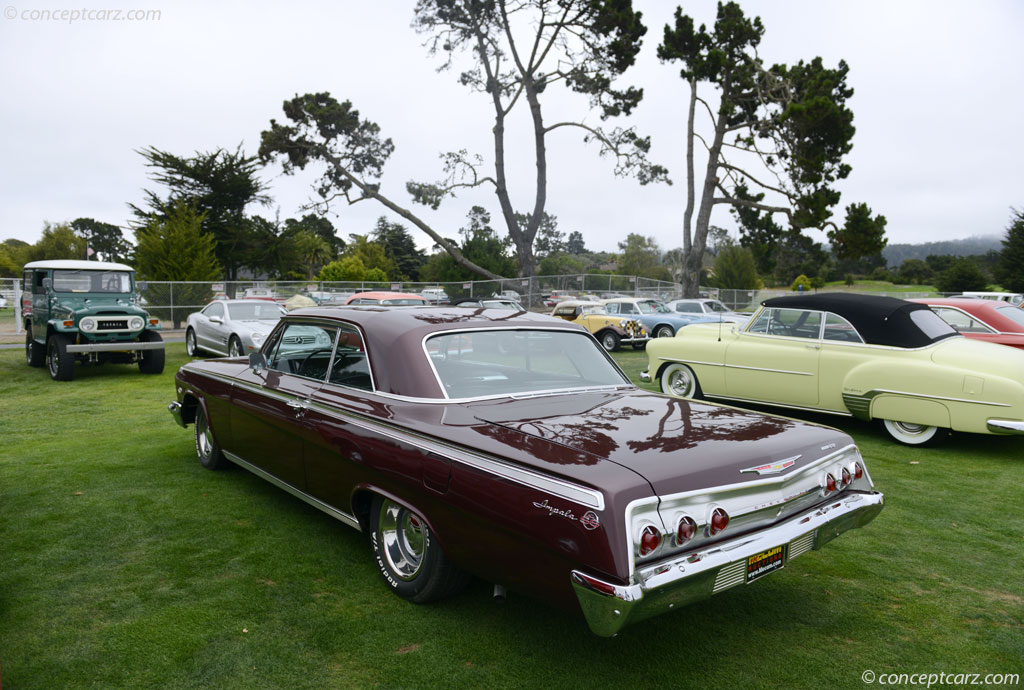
{"x": 35, "y": 354}
{"x": 191, "y": 345}
{"x": 610, "y": 341}
{"x": 408, "y": 557}
{"x": 59, "y": 361}
{"x": 151, "y": 361}
{"x": 234, "y": 347}
{"x": 664, "y": 332}
{"x": 678, "y": 380}
{"x": 207, "y": 450}
{"x": 914, "y": 434}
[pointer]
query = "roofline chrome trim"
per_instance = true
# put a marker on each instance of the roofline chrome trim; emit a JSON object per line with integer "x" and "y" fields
{"x": 569, "y": 491}
{"x": 341, "y": 515}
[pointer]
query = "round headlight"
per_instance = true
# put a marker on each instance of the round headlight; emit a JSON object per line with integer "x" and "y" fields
{"x": 623, "y": 323}
{"x": 136, "y": 323}
{"x": 87, "y": 325}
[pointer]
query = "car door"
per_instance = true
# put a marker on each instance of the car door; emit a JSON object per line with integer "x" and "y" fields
{"x": 776, "y": 358}
{"x": 268, "y": 423}
{"x": 208, "y": 331}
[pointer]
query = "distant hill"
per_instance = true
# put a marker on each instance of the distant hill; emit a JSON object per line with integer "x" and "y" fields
{"x": 895, "y": 254}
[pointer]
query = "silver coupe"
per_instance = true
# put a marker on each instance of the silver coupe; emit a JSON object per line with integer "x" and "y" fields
{"x": 233, "y": 327}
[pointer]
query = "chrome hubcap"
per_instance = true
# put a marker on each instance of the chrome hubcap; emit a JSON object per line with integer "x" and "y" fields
{"x": 52, "y": 359}
{"x": 914, "y": 429}
{"x": 664, "y": 332}
{"x": 203, "y": 436}
{"x": 404, "y": 539}
{"x": 236, "y": 349}
{"x": 190, "y": 343}
{"x": 681, "y": 383}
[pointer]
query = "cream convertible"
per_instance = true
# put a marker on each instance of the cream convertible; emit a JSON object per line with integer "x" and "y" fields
{"x": 857, "y": 355}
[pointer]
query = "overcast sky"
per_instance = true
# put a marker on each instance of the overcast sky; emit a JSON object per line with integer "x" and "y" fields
{"x": 938, "y": 107}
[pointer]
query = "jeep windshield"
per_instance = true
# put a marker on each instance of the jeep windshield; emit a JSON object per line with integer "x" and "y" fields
{"x": 485, "y": 363}
{"x": 115, "y": 282}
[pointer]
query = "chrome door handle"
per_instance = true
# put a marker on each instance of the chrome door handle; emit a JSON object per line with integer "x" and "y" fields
{"x": 814, "y": 347}
{"x": 299, "y": 406}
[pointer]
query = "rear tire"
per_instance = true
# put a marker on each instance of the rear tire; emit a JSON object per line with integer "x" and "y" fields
{"x": 59, "y": 361}
{"x": 408, "y": 557}
{"x": 914, "y": 434}
{"x": 35, "y": 354}
{"x": 679, "y": 381}
{"x": 610, "y": 341}
{"x": 151, "y": 361}
{"x": 207, "y": 450}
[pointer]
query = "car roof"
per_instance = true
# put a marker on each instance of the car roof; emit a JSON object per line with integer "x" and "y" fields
{"x": 394, "y": 337}
{"x": 72, "y": 265}
{"x": 879, "y": 320}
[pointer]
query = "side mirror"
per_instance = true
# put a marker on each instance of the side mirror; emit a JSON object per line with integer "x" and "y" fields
{"x": 216, "y": 319}
{"x": 47, "y": 283}
{"x": 257, "y": 362}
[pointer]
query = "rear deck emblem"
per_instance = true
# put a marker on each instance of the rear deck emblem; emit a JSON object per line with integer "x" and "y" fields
{"x": 590, "y": 520}
{"x": 773, "y": 467}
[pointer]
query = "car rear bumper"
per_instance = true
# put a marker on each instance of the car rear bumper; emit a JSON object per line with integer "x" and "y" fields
{"x": 1005, "y": 426}
{"x": 680, "y": 580}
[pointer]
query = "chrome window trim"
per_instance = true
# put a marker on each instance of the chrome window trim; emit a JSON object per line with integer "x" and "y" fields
{"x": 972, "y": 317}
{"x": 496, "y": 396}
{"x": 332, "y": 323}
{"x": 844, "y": 320}
{"x": 591, "y": 498}
{"x": 341, "y": 515}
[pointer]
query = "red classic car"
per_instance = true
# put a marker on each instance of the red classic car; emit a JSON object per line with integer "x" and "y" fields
{"x": 983, "y": 319}
{"x": 510, "y": 446}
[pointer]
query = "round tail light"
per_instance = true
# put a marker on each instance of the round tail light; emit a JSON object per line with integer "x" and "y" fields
{"x": 719, "y": 521}
{"x": 858, "y": 471}
{"x": 650, "y": 538}
{"x": 830, "y": 484}
{"x": 846, "y": 477}
{"x": 686, "y": 530}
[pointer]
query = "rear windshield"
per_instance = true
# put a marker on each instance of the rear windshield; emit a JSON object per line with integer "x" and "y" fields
{"x": 931, "y": 324}
{"x": 117, "y": 282}
{"x": 1015, "y": 314}
{"x": 505, "y": 362}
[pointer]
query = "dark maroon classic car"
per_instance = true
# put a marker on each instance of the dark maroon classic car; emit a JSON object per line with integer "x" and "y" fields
{"x": 510, "y": 446}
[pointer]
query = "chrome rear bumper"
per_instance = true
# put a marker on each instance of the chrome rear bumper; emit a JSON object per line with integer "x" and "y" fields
{"x": 680, "y": 580}
{"x": 1005, "y": 426}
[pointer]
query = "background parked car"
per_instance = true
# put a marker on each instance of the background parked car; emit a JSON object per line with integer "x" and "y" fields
{"x": 3, "y": 302}
{"x": 657, "y": 319}
{"x": 402, "y": 299}
{"x": 435, "y": 295}
{"x": 994, "y": 321}
{"x": 492, "y": 303}
{"x": 232, "y": 327}
{"x": 508, "y": 294}
{"x": 707, "y": 307}
{"x": 864, "y": 356}
{"x": 611, "y": 331}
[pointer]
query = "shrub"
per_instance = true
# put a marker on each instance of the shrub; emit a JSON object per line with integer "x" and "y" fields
{"x": 801, "y": 282}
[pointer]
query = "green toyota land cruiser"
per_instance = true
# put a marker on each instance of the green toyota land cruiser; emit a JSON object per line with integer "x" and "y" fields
{"x": 86, "y": 311}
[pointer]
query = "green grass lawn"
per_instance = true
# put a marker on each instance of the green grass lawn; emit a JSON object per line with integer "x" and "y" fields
{"x": 124, "y": 564}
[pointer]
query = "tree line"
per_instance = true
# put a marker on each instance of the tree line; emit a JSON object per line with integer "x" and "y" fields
{"x": 775, "y": 138}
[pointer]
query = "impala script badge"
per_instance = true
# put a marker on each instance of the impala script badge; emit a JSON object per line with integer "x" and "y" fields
{"x": 773, "y": 467}
{"x": 589, "y": 519}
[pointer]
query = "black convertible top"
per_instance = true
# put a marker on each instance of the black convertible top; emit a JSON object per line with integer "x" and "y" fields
{"x": 879, "y": 320}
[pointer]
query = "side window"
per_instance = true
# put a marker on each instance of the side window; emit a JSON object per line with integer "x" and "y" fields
{"x": 761, "y": 323}
{"x": 839, "y": 329}
{"x": 215, "y": 309}
{"x": 38, "y": 285}
{"x": 688, "y": 307}
{"x": 350, "y": 366}
{"x": 303, "y": 349}
{"x": 26, "y": 286}
{"x": 961, "y": 321}
{"x": 796, "y": 323}
{"x": 612, "y": 308}
{"x": 629, "y": 309}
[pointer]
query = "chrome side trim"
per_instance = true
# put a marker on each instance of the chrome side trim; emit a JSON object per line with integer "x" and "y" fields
{"x": 691, "y": 361}
{"x": 349, "y": 520}
{"x": 866, "y": 398}
{"x": 584, "y": 496}
{"x": 737, "y": 366}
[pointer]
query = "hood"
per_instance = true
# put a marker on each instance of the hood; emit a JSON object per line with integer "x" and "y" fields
{"x": 677, "y": 445}
{"x": 90, "y": 305}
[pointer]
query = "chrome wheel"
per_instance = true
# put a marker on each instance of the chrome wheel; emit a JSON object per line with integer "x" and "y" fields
{"x": 404, "y": 537}
{"x": 190, "y": 343}
{"x": 910, "y": 434}
{"x": 680, "y": 381}
{"x": 235, "y": 347}
{"x": 204, "y": 440}
{"x": 610, "y": 341}
{"x": 664, "y": 332}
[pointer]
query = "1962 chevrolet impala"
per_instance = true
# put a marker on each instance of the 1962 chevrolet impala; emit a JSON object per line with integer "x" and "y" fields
{"x": 510, "y": 446}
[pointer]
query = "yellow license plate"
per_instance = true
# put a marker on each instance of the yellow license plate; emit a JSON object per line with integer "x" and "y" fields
{"x": 760, "y": 564}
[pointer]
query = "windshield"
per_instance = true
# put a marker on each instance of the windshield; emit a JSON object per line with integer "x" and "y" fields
{"x": 256, "y": 312}
{"x": 115, "y": 282}
{"x": 506, "y": 362}
{"x": 652, "y": 307}
{"x": 1015, "y": 314}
